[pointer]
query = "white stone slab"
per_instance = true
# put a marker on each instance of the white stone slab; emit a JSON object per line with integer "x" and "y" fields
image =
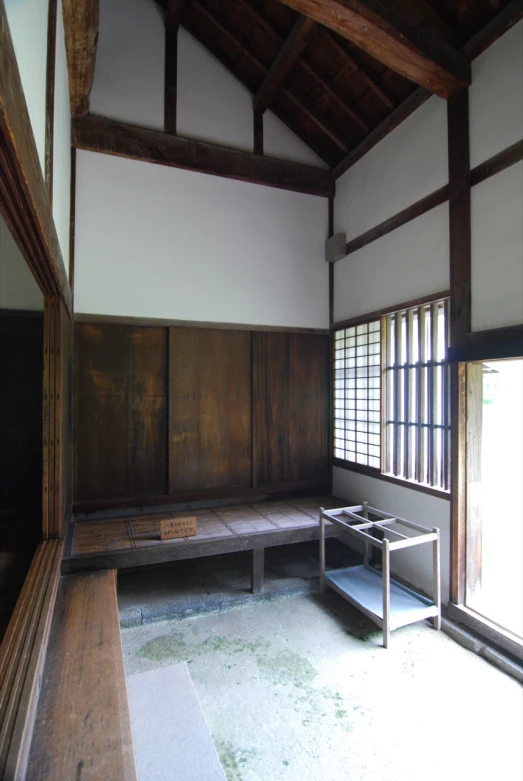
{"x": 171, "y": 738}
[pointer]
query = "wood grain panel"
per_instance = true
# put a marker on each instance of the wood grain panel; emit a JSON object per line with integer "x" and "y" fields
{"x": 120, "y": 411}
{"x": 290, "y": 403}
{"x": 21, "y": 341}
{"x": 209, "y": 409}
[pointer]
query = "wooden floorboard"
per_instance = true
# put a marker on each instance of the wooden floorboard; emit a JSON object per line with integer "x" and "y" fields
{"x": 82, "y": 728}
{"x": 135, "y": 540}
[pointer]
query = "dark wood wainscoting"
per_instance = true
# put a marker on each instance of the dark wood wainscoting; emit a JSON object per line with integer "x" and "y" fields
{"x": 168, "y": 413}
{"x": 21, "y": 355}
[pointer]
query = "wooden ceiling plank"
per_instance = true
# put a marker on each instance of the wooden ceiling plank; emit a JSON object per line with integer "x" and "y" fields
{"x": 98, "y": 134}
{"x": 290, "y": 94}
{"x": 81, "y": 18}
{"x": 350, "y": 62}
{"x": 405, "y": 48}
{"x": 296, "y": 42}
{"x": 173, "y": 18}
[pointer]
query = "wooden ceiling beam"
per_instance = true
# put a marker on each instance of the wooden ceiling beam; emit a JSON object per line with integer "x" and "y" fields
{"x": 405, "y": 48}
{"x": 296, "y": 42}
{"x": 498, "y": 26}
{"x": 98, "y": 134}
{"x": 81, "y": 19}
{"x": 322, "y": 83}
{"x": 290, "y": 94}
{"x": 353, "y": 65}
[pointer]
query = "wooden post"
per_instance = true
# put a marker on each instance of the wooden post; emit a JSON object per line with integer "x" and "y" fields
{"x": 258, "y": 561}
{"x": 437, "y": 578}
{"x": 322, "y": 551}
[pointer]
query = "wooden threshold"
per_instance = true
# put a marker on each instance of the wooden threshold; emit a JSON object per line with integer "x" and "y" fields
{"x": 22, "y": 658}
{"x": 82, "y": 728}
{"x": 135, "y": 541}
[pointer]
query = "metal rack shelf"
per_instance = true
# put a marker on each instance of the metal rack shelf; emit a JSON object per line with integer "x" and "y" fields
{"x": 385, "y": 601}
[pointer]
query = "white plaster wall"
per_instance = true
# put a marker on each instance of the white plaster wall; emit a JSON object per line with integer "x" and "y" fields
{"x": 212, "y": 104}
{"x": 410, "y": 262}
{"x": 28, "y": 25}
{"x": 18, "y": 288}
{"x": 497, "y": 250}
{"x": 159, "y": 242}
{"x": 61, "y": 143}
{"x": 413, "y": 564}
{"x": 496, "y": 97}
{"x": 408, "y": 164}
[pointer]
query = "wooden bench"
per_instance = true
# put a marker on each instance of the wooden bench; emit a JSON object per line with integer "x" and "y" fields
{"x": 22, "y": 657}
{"x": 82, "y": 728}
{"x": 134, "y": 541}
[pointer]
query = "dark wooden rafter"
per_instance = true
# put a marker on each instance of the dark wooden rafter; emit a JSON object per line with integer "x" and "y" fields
{"x": 351, "y": 63}
{"x": 98, "y": 134}
{"x": 24, "y": 200}
{"x": 290, "y": 94}
{"x": 81, "y": 18}
{"x": 500, "y": 24}
{"x": 294, "y": 45}
{"x": 401, "y": 46}
{"x": 173, "y": 18}
{"x": 49, "y": 96}
{"x": 447, "y": 23}
{"x": 325, "y": 86}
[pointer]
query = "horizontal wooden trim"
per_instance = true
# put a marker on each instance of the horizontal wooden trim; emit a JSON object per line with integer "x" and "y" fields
{"x": 401, "y": 218}
{"x": 366, "y": 470}
{"x": 98, "y": 134}
{"x": 157, "y": 321}
{"x": 22, "y": 657}
{"x": 487, "y": 629}
{"x": 389, "y": 310}
{"x": 24, "y": 200}
{"x": 492, "y": 344}
{"x": 258, "y": 493}
{"x": 494, "y": 165}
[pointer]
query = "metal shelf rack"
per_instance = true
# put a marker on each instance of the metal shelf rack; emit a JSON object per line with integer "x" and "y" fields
{"x": 385, "y": 601}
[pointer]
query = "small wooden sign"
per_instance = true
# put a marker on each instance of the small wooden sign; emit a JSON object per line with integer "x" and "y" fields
{"x": 184, "y": 526}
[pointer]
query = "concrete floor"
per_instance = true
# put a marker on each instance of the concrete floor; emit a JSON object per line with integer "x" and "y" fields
{"x": 300, "y": 688}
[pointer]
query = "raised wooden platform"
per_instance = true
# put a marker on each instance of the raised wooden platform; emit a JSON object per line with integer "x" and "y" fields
{"x": 82, "y": 728}
{"x": 135, "y": 541}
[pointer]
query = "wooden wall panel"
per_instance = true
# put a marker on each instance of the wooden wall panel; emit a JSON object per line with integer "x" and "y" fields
{"x": 21, "y": 340}
{"x": 120, "y": 411}
{"x": 290, "y": 403}
{"x": 209, "y": 409}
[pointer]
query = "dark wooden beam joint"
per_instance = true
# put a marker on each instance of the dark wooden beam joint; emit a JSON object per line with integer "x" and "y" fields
{"x": 173, "y": 18}
{"x": 401, "y": 46}
{"x": 81, "y": 19}
{"x": 296, "y": 42}
{"x": 97, "y": 134}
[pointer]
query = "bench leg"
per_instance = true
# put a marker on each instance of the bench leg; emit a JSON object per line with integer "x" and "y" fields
{"x": 258, "y": 560}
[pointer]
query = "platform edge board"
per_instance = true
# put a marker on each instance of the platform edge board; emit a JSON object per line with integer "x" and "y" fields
{"x": 192, "y": 549}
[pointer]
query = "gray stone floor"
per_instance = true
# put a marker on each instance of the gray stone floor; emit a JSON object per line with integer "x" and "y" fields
{"x": 298, "y": 687}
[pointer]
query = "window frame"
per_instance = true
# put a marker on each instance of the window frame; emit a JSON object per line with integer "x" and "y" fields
{"x": 376, "y": 472}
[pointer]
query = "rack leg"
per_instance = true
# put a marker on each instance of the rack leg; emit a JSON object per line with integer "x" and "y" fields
{"x": 258, "y": 566}
{"x": 322, "y": 552}
{"x": 385, "y": 572}
{"x": 437, "y": 579}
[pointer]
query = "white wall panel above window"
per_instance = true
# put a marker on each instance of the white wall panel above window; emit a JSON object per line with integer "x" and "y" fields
{"x": 410, "y": 163}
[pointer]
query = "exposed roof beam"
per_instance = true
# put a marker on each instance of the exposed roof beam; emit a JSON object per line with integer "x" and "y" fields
{"x": 296, "y": 42}
{"x": 81, "y": 38}
{"x": 290, "y": 94}
{"x": 502, "y": 22}
{"x": 98, "y": 134}
{"x": 405, "y": 48}
{"x": 325, "y": 86}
